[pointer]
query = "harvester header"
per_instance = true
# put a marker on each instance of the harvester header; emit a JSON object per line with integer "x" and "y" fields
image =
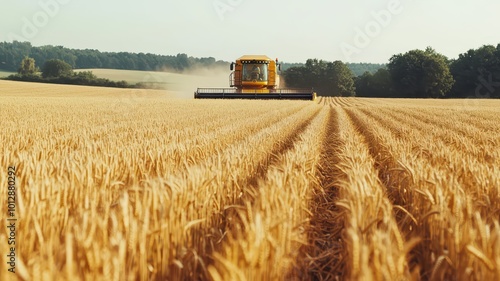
{"x": 255, "y": 77}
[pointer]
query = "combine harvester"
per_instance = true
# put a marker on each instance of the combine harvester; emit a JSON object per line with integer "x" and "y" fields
{"x": 255, "y": 77}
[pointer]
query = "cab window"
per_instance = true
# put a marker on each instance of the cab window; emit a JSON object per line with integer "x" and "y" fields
{"x": 255, "y": 72}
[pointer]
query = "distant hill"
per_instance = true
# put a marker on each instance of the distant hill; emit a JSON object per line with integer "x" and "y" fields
{"x": 4, "y": 73}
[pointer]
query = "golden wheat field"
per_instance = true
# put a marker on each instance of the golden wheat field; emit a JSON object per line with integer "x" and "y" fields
{"x": 134, "y": 185}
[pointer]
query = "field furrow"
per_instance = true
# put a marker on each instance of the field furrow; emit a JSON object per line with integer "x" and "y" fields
{"x": 269, "y": 228}
{"x": 374, "y": 246}
{"x": 323, "y": 258}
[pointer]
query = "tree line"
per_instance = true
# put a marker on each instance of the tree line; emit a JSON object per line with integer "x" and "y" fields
{"x": 59, "y": 72}
{"x": 11, "y": 55}
{"x": 414, "y": 74}
{"x": 357, "y": 68}
{"x": 326, "y": 78}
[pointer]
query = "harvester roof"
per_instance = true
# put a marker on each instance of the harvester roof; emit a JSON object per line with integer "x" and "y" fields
{"x": 255, "y": 57}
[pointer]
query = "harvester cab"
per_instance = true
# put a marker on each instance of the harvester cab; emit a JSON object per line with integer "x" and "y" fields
{"x": 255, "y": 77}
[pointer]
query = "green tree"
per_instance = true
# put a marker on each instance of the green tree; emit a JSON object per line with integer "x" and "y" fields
{"x": 56, "y": 68}
{"x": 340, "y": 80}
{"x": 358, "y": 69}
{"x": 420, "y": 74}
{"x": 382, "y": 83}
{"x": 327, "y": 78}
{"x": 363, "y": 85}
{"x": 477, "y": 73}
{"x": 28, "y": 66}
{"x": 378, "y": 84}
{"x": 294, "y": 77}
{"x": 183, "y": 62}
{"x": 315, "y": 76}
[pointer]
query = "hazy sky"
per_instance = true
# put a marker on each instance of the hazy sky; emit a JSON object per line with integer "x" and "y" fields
{"x": 292, "y": 30}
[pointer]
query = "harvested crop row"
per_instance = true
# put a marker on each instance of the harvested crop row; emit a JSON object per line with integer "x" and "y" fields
{"x": 267, "y": 234}
{"x": 322, "y": 257}
{"x": 186, "y": 211}
{"x": 457, "y": 243}
{"x": 374, "y": 246}
{"x": 347, "y": 101}
{"x": 451, "y": 121}
{"x": 88, "y": 144}
{"x": 336, "y": 101}
{"x": 202, "y": 146}
{"x": 82, "y": 151}
{"x": 476, "y": 172}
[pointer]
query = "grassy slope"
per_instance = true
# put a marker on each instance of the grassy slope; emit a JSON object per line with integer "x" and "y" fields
{"x": 176, "y": 84}
{"x": 42, "y": 90}
{"x": 183, "y": 83}
{"x": 4, "y": 73}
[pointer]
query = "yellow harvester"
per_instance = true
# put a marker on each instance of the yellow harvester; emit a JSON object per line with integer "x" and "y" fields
{"x": 254, "y": 77}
